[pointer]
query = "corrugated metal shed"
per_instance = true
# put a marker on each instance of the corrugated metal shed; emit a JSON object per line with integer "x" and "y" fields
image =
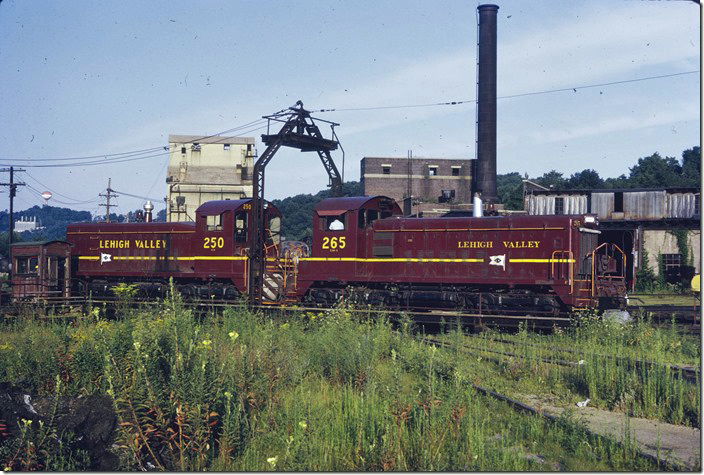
{"x": 603, "y": 204}
{"x": 644, "y": 204}
{"x": 621, "y": 204}
{"x": 681, "y": 205}
{"x": 545, "y": 204}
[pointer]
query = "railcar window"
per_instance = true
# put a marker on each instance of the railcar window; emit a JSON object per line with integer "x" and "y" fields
{"x": 274, "y": 234}
{"x": 214, "y": 223}
{"x": 241, "y": 227}
{"x": 367, "y": 217}
{"x": 335, "y": 223}
{"x": 27, "y": 265}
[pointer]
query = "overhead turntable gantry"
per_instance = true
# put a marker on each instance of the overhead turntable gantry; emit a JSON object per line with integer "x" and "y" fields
{"x": 299, "y": 131}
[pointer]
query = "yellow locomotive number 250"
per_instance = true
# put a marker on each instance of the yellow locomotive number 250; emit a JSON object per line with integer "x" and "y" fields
{"x": 333, "y": 243}
{"x": 213, "y": 242}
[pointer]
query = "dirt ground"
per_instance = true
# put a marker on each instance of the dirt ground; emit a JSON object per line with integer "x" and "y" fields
{"x": 673, "y": 443}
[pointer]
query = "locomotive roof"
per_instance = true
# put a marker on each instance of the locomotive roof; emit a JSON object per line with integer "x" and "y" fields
{"x": 480, "y": 222}
{"x": 37, "y": 243}
{"x": 210, "y": 208}
{"x": 333, "y": 206}
{"x": 215, "y": 207}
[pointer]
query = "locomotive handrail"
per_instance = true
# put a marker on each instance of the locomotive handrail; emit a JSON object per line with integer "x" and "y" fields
{"x": 274, "y": 245}
{"x": 623, "y": 264}
{"x": 570, "y": 266}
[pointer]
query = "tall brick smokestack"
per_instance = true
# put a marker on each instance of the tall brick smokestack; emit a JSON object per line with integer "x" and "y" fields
{"x": 485, "y": 180}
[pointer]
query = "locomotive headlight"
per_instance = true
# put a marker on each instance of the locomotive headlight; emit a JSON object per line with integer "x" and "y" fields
{"x": 591, "y": 220}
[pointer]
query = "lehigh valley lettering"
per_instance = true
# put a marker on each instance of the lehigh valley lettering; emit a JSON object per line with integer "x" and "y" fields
{"x": 137, "y": 244}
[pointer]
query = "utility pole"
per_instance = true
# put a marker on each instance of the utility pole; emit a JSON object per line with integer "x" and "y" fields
{"x": 110, "y": 194}
{"x": 13, "y": 191}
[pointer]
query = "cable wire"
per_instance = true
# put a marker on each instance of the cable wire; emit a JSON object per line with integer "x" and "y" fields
{"x": 54, "y": 192}
{"x": 511, "y": 96}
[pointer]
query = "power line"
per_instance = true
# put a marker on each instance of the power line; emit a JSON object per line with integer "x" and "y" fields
{"x": 56, "y": 192}
{"x": 118, "y": 155}
{"x": 535, "y": 93}
{"x": 55, "y": 200}
{"x": 137, "y": 196}
{"x": 95, "y": 162}
{"x": 122, "y": 157}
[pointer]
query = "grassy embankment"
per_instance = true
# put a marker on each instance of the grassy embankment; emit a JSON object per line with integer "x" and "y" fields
{"x": 324, "y": 392}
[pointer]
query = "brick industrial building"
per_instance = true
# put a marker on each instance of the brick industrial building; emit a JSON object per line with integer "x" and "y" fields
{"x": 425, "y": 180}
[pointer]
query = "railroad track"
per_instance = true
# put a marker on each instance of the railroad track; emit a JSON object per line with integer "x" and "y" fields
{"x": 686, "y": 372}
{"x": 643, "y": 451}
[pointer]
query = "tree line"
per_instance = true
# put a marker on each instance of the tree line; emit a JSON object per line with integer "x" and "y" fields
{"x": 653, "y": 171}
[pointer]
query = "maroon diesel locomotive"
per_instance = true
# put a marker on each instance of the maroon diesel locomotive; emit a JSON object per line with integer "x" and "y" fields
{"x": 362, "y": 249}
{"x": 507, "y": 265}
{"x": 207, "y": 259}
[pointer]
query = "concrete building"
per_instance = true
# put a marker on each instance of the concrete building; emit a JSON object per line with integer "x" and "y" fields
{"x": 426, "y": 180}
{"x": 662, "y": 224}
{"x": 27, "y": 224}
{"x": 203, "y": 169}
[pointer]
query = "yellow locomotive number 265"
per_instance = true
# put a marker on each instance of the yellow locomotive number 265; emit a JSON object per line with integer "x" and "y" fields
{"x": 213, "y": 242}
{"x": 333, "y": 243}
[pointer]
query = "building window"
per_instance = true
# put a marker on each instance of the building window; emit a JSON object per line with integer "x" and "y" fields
{"x": 386, "y": 169}
{"x": 697, "y": 206}
{"x": 672, "y": 267}
{"x": 195, "y": 147}
{"x": 183, "y": 150}
{"x": 455, "y": 171}
{"x": 618, "y": 202}
{"x": 432, "y": 171}
{"x": 27, "y": 265}
{"x": 559, "y": 205}
{"x": 226, "y": 146}
{"x": 447, "y": 196}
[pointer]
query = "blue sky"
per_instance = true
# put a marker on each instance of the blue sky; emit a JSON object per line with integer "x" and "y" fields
{"x": 95, "y": 78}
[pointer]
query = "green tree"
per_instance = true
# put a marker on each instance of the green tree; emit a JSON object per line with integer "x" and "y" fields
{"x": 585, "y": 180}
{"x": 297, "y": 211}
{"x": 691, "y": 167}
{"x": 552, "y": 179}
{"x": 509, "y": 187}
{"x": 619, "y": 182}
{"x": 655, "y": 172}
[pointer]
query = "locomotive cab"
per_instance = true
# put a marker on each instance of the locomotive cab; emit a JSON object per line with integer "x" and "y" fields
{"x": 340, "y": 224}
{"x": 225, "y": 224}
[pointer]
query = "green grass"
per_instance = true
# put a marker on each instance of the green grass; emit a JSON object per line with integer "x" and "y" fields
{"x": 323, "y": 392}
{"x": 684, "y": 300}
{"x": 613, "y": 372}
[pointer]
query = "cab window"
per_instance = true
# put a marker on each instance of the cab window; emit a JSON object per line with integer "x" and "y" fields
{"x": 241, "y": 227}
{"x": 335, "y": 223}
{"x": 214, "y": 223}
{"x": 367, "y": 217}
